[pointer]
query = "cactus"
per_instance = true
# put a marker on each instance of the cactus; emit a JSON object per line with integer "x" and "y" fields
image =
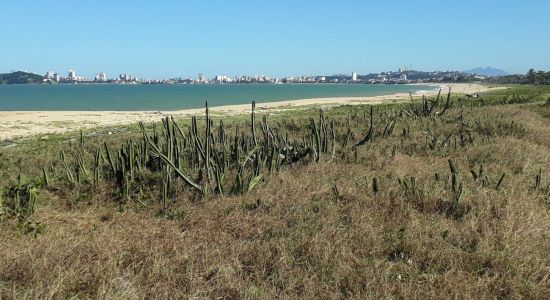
{"x": 219, "y": 179}
{"x": 110, "y": 158}
{"x": 370, "y": 133}
{"x": 538, "y": 179}
{"x": 131, "y": 159}
{"x": 45, "y": 178}
{"x": 500, "y": 181}
{"x": 410, "y": 187}
{"x": 317, "y": 137}
{"x": 82, "y": 172}
{"x": 479, "y": 174}
{"x": 157, "y": 152}
{"x": 254, "y": 181}
{"x": 333, "y": 133}
{"x": 456, "y": 186}
{"x": 207, "y": 145}
{"x": 322, "y": 133}
{"x": 170, "y": 149}
{"x": 175, "y": 124}
{"x": 164, "y": 192}
{"x": 388, "y": 130}
{"x": 126, "y": 187}
{"x": 68, "y": 173}
{"x": 253, "y": 119}
{"x": 3, "y": 210}
{"x": 448, "y": 103}
{"x": 31, "y": 202}
{"x": 375, "y": 187}
{"x": 97, "y": 169}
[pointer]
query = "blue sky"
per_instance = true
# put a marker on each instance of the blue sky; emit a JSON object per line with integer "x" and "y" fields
{"x": 155, "y": 39}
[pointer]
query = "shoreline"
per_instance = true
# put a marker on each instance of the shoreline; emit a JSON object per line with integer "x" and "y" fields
{"x": 19, "y": 124}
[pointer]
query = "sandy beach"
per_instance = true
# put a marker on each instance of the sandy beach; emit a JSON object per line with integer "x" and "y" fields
{"x": 16, "y": 124}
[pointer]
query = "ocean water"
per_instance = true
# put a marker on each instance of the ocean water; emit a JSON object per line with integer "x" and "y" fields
{"x": 173, "y": 97}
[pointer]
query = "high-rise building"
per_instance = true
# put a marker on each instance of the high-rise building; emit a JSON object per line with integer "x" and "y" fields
{"x": 202, "y": 79}
{"x": 354, "y": 76}
{"x": 101, "y": 76}
{"x": 57, "y": 77}
{"x": 222, "y": 79}
{"x": 72, "y": 75}
{"x": 49, "y": 75}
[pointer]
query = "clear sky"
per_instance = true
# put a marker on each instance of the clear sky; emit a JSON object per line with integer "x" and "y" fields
{"x": 156, "y": 39}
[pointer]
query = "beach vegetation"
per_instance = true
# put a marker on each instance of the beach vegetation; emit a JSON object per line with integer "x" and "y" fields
{"x": 440, "y": 197}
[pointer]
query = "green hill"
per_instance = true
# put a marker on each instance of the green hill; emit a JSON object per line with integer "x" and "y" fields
{"x": 20, "y": 78}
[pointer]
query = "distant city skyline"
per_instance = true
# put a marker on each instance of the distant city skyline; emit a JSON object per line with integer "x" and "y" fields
{"x": 400, "y": 76}
{"x": 170, "y": 39}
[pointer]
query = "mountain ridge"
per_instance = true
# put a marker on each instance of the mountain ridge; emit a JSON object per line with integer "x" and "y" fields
{"x": 488, "y": 71}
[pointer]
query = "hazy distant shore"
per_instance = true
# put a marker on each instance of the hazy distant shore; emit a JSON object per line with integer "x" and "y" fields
{"x": 15, "y": 124}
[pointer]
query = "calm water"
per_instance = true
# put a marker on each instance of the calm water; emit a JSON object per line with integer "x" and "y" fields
{"x": 173, "y": 97}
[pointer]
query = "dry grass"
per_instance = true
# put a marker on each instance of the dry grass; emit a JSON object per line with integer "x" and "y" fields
{"x": 312, "y": 231}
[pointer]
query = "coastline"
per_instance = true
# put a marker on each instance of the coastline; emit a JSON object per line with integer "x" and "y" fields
{"x": 18, "y": 124}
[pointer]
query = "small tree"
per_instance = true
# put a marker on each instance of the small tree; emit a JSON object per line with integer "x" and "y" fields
{"x": 531, "y": 76}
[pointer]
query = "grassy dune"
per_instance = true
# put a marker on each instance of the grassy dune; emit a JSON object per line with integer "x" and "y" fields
{"x": 444, "y": 203}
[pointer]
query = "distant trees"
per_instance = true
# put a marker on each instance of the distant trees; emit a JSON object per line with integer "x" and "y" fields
{"x": 538, "y": 77}
{"x": 509, "y": 79}
{"x": 532, "y": 77}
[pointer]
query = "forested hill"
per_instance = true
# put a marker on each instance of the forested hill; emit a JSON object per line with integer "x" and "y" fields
{"x": 20, "y": 78}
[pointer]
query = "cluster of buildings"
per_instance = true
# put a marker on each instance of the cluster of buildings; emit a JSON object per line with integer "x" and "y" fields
{"x": 218, "y": 79}
{"x": 201, "y": 79}
{"x": 100, "y": 77}
{"x": 401, "y": 76}
{"x": 126, "y": 78}
{"x": 52, "y": 76}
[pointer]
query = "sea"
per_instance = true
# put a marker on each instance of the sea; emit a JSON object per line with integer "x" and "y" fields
{"x": 111, "y": 97}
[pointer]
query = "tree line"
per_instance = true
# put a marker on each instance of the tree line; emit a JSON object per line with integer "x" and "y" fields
{"x": 538, "y": 77}
{"x": 532, "y": 77}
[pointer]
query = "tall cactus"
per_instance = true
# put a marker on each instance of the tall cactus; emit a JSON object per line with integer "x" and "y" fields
{"x": 68, "y": 173}
{"x": 253, "y": 119}
{"x": 207, "y": 144}
{"x": 110, "y": 158}
{"x": 317, "y": 137}
{"x": 157, "y": 152}
{"x": 45, "y": 178}
{"x": 456, "y": 186}
{"x": 370, "y": 133}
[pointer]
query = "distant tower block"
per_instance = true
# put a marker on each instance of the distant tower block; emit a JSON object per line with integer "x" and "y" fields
{"x": 101, "y": 76}
{"x": 354, "y": 76}
{"x": 72, "y": 74}
{"x": 201, "y": 78}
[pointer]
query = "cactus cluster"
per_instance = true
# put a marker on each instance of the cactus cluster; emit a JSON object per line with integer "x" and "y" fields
{"x": 19, "y": 200}
{"x": 210, "y": 161}
{"x": 209, "y": 158}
